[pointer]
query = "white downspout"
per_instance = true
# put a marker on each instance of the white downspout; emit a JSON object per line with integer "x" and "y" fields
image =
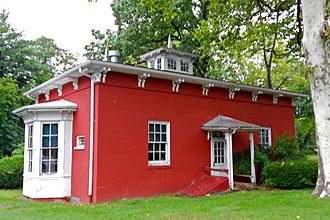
{"x": 91, "y": 141}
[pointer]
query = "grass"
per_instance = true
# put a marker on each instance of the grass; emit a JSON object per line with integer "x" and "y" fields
{"x": 259, "y": 204}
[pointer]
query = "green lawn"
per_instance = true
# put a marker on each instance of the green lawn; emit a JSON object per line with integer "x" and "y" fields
{"x": 259, "y": 204}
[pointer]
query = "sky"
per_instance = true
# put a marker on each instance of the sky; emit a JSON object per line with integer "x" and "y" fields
{"x": 68, "y": 22}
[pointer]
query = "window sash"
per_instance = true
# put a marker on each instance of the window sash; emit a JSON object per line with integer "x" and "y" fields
{"x": 158, "y": 143}
{"x": 265, "y": 136}
{"x": 30, "y": 147}
{"x": 171, "y": 64}
{"x": 49, "y": 148}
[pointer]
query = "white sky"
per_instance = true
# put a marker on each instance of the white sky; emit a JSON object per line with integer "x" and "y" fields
{"x": 68, "y": 22}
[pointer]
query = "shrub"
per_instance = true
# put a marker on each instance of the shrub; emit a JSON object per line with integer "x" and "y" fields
{"x": 11, "y": 171}
{"x": 242, "y": 162}
{"x": 285, "y": 149}
{"x": 291, "y": 174}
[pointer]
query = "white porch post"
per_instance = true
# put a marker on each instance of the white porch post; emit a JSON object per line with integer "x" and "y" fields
{"x": 228, "y": 137}
{"x": 253, "y": 169}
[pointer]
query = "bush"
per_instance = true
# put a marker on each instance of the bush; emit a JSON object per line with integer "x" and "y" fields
{"x": 11, "y": 171}
{"x": 291, "y": 174}
{"x": 242, "y": 162}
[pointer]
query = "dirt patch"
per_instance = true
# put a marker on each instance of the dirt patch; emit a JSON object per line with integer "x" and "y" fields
{"x": 2, "y": 206}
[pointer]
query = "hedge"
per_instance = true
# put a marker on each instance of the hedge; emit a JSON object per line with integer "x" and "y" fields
{"x": 291, "y": 174}
{"x": 11, "y": 171}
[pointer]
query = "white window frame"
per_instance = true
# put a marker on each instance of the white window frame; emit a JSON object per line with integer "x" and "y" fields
{"x": 184, "y": 66}
{"x": 171, "y": 63}
{"x": 30, "y": 148}
{"x": 262, "y": 140}
{"x": 79, "y": 144}
{"x": 167, "y": 143}
{"x": 49, "y": 148}
{"x": 158, "y": 64}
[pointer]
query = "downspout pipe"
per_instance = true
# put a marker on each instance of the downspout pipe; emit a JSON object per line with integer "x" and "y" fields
{"x": 91, "y": 141}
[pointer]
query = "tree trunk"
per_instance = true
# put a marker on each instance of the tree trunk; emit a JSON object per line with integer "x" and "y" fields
{"x": 316, "y": 49}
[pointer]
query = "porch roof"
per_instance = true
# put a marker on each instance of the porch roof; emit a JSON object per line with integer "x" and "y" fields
{"x": 224, "y": 123}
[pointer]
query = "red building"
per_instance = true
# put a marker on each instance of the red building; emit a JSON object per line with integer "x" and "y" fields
{"x": 105, "y": 130}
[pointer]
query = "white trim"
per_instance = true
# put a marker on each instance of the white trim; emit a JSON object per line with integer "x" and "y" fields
{"x": 167, "y": 146}
{"x": 80, "y": 146}
{"x": 269, "y": 131}
{"x": 253, "y": 169}
{"x": 91, "y": 140}
{"x": 117, "y": 67}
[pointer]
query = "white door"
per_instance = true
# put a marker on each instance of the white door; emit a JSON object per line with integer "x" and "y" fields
{"x": 218, "y": 157}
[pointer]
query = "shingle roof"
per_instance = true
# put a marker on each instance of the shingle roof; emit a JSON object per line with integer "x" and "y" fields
{"x": 226, "y": 123}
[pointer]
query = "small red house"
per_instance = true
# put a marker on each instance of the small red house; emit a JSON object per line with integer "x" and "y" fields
{"x": 105, "y": 130}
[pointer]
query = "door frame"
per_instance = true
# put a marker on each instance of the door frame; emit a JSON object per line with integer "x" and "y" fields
{"x": 225, "y": 166}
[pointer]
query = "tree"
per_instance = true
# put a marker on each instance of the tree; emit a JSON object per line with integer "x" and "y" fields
{"x": 29, "y": 62}
{"x": 253, "y": 42}
{"x": 10, "y": 132}
{"x": 316, "y": 49}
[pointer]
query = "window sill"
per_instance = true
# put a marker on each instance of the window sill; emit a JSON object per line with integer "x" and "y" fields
{"x": 80, "y": 147}
{"x": 159, "y": 167}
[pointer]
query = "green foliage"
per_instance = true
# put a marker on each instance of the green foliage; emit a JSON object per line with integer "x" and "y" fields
{"x": 285, "y": 149}
{"x": 11, "y": 171}
{"x": 29, "y": 62}
{"x": 305, "y": 134}
{"x": 291, "y": 174}
{"x": 10, "y": 131}
{"x": 242, "y": 162}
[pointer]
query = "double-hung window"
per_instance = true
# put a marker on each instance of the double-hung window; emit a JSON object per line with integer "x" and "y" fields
{"x": 49, "y": 148}
{"x": 30, "y": 147}
{"x": 158, "y": 143}
{"x": 265, "y": 137}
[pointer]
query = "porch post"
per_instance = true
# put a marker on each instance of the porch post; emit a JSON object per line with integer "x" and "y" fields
{"x": 229, "y": 143}
{"x": 253, "y": 169}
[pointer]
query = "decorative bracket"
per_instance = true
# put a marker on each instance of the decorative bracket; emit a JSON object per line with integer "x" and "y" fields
{"x": 232, "y": 92}
{"x": 74, "y": 82}
{"x": 176, "y": 84}
{"x": 275, "y": 98}
{"x": 293, "y": 101}
{"x": 99, "y": 75}
{"x": 142, "y": 79}
{"x": 59, "y": 90}
{"x": 255, "y": 95}
{"x": 206, "y": 88}
{"x": 47, "y": 95}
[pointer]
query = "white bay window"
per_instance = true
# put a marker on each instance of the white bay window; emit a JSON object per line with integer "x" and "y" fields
{"x": 48, "y": 143}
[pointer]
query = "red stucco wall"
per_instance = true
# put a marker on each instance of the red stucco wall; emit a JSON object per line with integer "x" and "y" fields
{"x": 122, "y": 127}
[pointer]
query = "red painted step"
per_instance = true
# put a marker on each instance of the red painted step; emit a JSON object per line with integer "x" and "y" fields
{"x": 205, "y": 185}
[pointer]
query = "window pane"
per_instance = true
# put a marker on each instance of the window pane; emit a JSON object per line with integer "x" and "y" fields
{"x": 150, "y": 147}
{"x": 45, "y": 166}
{"x": 163, "y": 137}
{"x": 150, "y": 157}
{"x": 157, "y": 127}
{"x": 54, "y": 129}
{"x": 30, "y": 166}
{"x": 151, "y": 137}
{"x": 53, "y": 166}
{"x": 151, "y": 127}
{"x": 54, "y": 153}
{"x": 162, "y": 156}
{"x": 30, "y": 155}
{"x": 54, "y": 141}
{"x": 156, "y": 156}
{"x": 45, "y": 154}
{"x": 156, "y": 147}
{"x": 46, "y": 129}
{"x": 45, "y": 141}
{"x": 163, "y": 128}
{"x": 157, "y": 137}
{"x": 162, "y": 147}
